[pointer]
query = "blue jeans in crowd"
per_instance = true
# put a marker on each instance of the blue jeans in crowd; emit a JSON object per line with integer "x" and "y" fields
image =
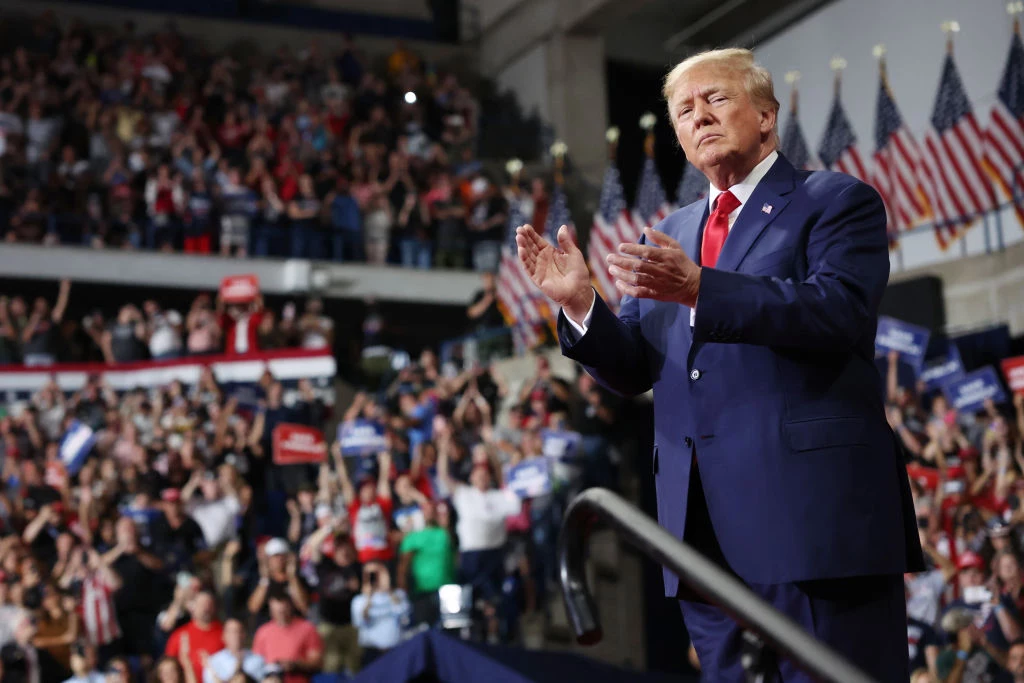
{"x": 266, "y": 239}
{"x": 486, "y": 256}
{"x": 158, "y": 234}
{"x": 307, "y": 242}
{"x": 416, "y": 253}
{"x": 347, "y": 245}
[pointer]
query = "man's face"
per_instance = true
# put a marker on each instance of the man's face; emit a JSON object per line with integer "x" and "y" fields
{"x": 280, "y": 610}
{"x": 203, "y": 608}
{"x": 715, "y": 120}
{"x": 234, "y": 634}
{"x": 971, "y": 577}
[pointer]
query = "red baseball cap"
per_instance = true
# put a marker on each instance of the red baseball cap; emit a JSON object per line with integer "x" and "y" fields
{"x": 970, "y": 560}
{"x": 170, "y": 495}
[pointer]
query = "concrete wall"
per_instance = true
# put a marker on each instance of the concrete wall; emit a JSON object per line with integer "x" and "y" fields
{"x": 526, "y": 76}
{"x": 981, "y": 290}
{"x": 910, "y": 29}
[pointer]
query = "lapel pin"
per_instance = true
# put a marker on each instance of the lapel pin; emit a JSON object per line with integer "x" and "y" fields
{"x": 767, "y": 208}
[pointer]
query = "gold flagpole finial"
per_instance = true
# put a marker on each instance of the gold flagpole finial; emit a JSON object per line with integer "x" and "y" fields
{"x": 792, "y": 77}
{"x": 647, "y": 123}
{"x": 558, "y": 150}
{"x": 837, "y": 64}
{"x": 878, "y": 51}
{"x": 612, "y": 137}
{"x": 950, "y": 28}
{"x": 1014, "y": 9}
{"x": 513, "y": 167}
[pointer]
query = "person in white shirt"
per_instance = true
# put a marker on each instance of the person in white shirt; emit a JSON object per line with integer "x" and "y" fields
{"x": 234, "y": 658}
{"x": 164, "y": 329}
{"x": 481, "y": 527}
{"x": 217, "y": 511}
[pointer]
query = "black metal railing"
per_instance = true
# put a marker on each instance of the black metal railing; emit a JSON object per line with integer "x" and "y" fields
{"x": 761, "y": 620}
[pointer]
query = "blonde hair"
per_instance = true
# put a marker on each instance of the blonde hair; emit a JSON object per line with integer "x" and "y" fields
{"x": 758, "y": 80}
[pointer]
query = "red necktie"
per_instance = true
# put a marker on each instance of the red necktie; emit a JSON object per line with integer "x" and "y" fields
{"x": 717, "y": 228}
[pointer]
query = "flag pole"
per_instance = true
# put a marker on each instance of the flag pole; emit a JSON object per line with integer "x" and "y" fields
{"x": 794, "y": 100}
{"x": 837, "y": 64}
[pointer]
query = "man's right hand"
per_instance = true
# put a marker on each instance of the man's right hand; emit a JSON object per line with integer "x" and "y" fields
{"x": 562, "y": 273}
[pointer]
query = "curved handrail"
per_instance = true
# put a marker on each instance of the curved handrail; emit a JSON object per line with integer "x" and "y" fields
{"x": 693, "y": 569}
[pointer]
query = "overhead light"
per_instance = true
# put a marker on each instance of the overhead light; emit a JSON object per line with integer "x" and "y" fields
{"x": 410, "y": 97}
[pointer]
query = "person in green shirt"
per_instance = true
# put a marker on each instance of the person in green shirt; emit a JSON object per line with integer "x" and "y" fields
{"x": 427, "y": 557}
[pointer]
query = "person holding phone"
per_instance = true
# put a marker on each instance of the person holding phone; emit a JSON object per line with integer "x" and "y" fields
{"x": 379, "y": 612}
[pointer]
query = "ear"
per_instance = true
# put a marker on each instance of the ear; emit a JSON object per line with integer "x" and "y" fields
{"x": 769, "y": 118}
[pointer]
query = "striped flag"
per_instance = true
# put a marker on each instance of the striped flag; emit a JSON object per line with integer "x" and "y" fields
{"x": 75, "y": 446}
{"x": 957, "y": 186}
{"x": 514, "y": 287}
{"x": 838, "y": 148}
{"x": 693, "y": 186}
{"x": 651, "y": 206}
{"x": 558, "y": 215}
{"x": 611, "y": 227}
{"x": 794, "y": 145}
{"x": 1004, "y": 139}
{"x": 896, "y": 172}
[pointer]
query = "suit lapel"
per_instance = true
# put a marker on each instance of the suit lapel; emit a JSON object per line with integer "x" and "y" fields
{"x": 691, "y": 219}
{"x": 765, "y": 204}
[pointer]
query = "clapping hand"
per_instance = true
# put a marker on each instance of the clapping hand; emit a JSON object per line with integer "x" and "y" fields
{"x": 561, "y": 273}
{"x": 662, "y": 272}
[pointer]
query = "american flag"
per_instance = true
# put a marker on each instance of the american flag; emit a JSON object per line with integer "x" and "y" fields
{"x": 838, "y": 148}
{"x": 794, "y": 145}
{"x": 897, "y": 165}
{"x": 651, "y": 206}
{"x": 957, "y": 187}
{"x": 558, "y": 215}
{"x": 692, "y": 186}
{"x": 1004, "y": 139}
{"x": 514, "y": 288}
{"x": 611, "y": 227}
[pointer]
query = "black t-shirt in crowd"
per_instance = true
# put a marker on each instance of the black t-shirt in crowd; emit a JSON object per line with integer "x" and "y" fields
{"x": 491, "y": 317}
{"x": 335, "y": 593}
{"x": 177, "y": 546}
{"x": 143, "y": 591}
{"x": 124, "y": 345}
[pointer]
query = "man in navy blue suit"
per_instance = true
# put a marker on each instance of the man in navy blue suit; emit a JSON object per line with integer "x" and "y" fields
{"x": 752, "y": 315}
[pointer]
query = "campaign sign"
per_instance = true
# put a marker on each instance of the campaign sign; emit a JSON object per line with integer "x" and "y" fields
{"x": 910, "y": 341}
{"x": 561, "y": 446}
{"x": 239, "y": 289}
{"x": 969, "y": 393}
{"x": 943, "y": 368}
{"x": 361, "y": 437}
{"x": 298, "y": 445}
{"x": 530, "y": 478}
{"x": 1013, "y": 371}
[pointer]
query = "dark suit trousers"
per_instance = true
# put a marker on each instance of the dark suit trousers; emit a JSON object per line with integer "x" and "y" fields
{"x": 862, "y": 618}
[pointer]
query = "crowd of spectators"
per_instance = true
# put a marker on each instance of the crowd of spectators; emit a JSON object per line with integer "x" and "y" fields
{"x": 966, "y": 613}
{"x": 179, "y": 550}
{"x": 115, "y": 139}
{"x": 39, "y": 335}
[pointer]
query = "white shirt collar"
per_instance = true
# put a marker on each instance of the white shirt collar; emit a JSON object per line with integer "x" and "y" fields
{"x": 743, "y": 189}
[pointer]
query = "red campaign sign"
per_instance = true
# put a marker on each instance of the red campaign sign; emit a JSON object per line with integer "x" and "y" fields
{"x": 239, "y": 289}
{"x": 1013, "y": 370}
{"x": 298, "y": 445}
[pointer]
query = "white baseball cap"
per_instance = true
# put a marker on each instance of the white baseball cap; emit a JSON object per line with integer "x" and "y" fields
{"x": 275, "y": 546}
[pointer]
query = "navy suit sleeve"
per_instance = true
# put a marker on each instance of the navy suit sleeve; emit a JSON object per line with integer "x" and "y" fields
{"x": 612, "y": 350}
{"x": 833, "y": 308}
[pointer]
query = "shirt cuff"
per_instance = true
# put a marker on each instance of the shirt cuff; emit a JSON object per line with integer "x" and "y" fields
{"x": 582, "y": 328}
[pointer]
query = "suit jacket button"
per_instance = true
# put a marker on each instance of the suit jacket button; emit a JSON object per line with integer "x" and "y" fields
{"x": 695, "y": 374}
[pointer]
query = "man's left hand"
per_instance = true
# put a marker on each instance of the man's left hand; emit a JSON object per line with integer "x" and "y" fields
{"x": 663, "y": 272}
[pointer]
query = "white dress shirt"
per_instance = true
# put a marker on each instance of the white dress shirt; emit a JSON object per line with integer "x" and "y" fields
{"x": 741, "y": 190}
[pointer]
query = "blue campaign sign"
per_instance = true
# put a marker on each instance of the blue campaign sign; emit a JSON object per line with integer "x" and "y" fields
{"x": 361, "y": 437}
{"x": 76, "y": 445}
{"x": 943, "y": 368}
{"x": 969, "y": 393}
{"x": 561, "y": 445}
{"x": 910, "y": 341}
{"x": 530, "y": 478}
